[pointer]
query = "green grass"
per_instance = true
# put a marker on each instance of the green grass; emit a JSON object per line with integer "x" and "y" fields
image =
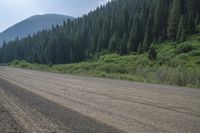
{"x": 176, "y": 65}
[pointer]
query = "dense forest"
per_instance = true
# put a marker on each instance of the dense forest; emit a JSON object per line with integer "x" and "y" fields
{"x": 121, "y": 26}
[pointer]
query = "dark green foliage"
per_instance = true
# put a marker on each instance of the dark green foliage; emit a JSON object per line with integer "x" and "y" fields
{"x": 133, "y": 41}
{"x": 191, "y": 16}
{"x": 185, "y": 48}
{"x": 121, "y": 26}
{"x": 140, "y": 48}
{"x": 50, "y": 64}
{"x": 181, "y": 34}
{"x": 113, "y": 44}
{"x": 157, "y": 19}
{"x": 148, "y": 34}
{"x": 174, "y": 16}
{"x": 152, "y": 54}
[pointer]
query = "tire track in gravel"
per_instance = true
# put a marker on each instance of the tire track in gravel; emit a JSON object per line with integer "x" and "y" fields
{"x": 64, "y": 117}
{"x": 128, "y": 106}
{"x": 7, "y": 123}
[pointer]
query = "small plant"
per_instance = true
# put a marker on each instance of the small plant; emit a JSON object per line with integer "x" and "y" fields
{"x": 50, "y": 64}
{"x": 152, "y": 54}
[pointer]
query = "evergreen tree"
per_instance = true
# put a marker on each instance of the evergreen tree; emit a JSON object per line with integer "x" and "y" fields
{"x": 183, "y": 36}
{"x": 197, "y": 19}
{"x": 71, "y": 55}
{"x": 181, "y": 31}
{"x": 157, "y": 20}
{"x": 133, "y": 41}
{"x": 113, "y": 43}
{"x": 148, "y": 34}
{"x": 191, "y": 21}
{"x": 123, "y": 49}
{"x": 140, "y": 48}
{"x": 174, "y": 16}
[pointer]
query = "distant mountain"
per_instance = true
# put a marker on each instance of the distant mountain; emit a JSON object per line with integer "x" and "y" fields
{"x": 32, "y": 25}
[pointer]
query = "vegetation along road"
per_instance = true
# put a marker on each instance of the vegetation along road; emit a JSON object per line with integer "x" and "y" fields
{"x": 35, "y": 101}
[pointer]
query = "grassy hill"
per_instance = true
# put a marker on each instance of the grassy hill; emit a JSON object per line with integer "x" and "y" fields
{"x": 176, "y": 64}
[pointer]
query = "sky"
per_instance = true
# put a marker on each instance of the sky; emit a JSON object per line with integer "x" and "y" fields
{"x": 14, "y": 11}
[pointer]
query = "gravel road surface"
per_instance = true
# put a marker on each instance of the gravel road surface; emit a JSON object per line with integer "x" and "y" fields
{"x": 35, "y": 101}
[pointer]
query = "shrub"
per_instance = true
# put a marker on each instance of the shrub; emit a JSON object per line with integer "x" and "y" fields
{"x": 24, "y": 65}
{"x": 152, "y": 54}
{"x": 185, "y": 48}
{"x": 195, "y": 53}
{"x": 15, "y": 62}
{"x": 50, "y": 64}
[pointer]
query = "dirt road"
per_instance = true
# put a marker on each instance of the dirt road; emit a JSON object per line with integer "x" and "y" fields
{"x": 38, "y": 101}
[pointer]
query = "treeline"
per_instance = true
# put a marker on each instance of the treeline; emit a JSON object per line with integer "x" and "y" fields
{"x": 121, "y": 26}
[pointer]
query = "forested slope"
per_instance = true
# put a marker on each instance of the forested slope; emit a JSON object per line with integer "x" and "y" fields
{"x": 121, "y": 26}
{"x": 32, "y": 25}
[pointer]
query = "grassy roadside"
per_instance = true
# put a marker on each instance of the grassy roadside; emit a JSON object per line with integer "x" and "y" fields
{"x": 178, "y": 65}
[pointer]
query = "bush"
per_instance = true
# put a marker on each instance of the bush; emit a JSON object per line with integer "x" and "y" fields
{"x": 185, "y": 48}
{"x": 50, "y": 64}
{"x": 198, "y": 29}
{"x": 195, "y": 53}
{"x": 152, "y": 54}
{"x": 15, "y": 62}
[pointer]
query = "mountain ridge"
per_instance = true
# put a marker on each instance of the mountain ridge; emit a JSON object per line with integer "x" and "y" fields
{"x": 32, "y": 25}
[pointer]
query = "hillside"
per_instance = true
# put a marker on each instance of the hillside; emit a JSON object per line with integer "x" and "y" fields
{"x": 121, "y": 26}
{"x": 32, "y": 25}
{"x": 178, "y": 65}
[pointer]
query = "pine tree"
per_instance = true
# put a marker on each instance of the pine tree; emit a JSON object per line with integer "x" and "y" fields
{"x": 113, "y": 43}
{"x": 157, "y": 20}
{"x": 123, "y": 48}
{"x": 148, "y": 34}
{"x": 175, "y": 13}
{"x": 191, "y": 21}
{"x": 180, "y": 29}
{"x": 197, "y": 19}
{"x": 71, "y": 55}
{"x": 140, "y": 48}
{"x": 133, "y": 41}
{"x": 183, "y": 36}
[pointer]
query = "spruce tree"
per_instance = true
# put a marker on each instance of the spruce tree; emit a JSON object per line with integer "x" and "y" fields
{"x": 133, "y": 41}
{"x": 175, "y": 13}
{"x": 123, "y": 48}
{"x": 191, "y": 21}
{"x": 148, "y": 34}
{"x": 197, "y": 19}
{"x": 180, "y": 29}
{"x": 113, "y": 43}
{"x": 183, "y": 36}
{"x": 140, "y": 48}
{"x": 157, "y": 20}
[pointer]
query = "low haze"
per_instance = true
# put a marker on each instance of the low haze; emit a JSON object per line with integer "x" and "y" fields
{"x": 13, "y": 11}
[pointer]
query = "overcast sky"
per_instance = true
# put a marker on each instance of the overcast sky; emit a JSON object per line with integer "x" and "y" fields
{"x": 14, "y": 11}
